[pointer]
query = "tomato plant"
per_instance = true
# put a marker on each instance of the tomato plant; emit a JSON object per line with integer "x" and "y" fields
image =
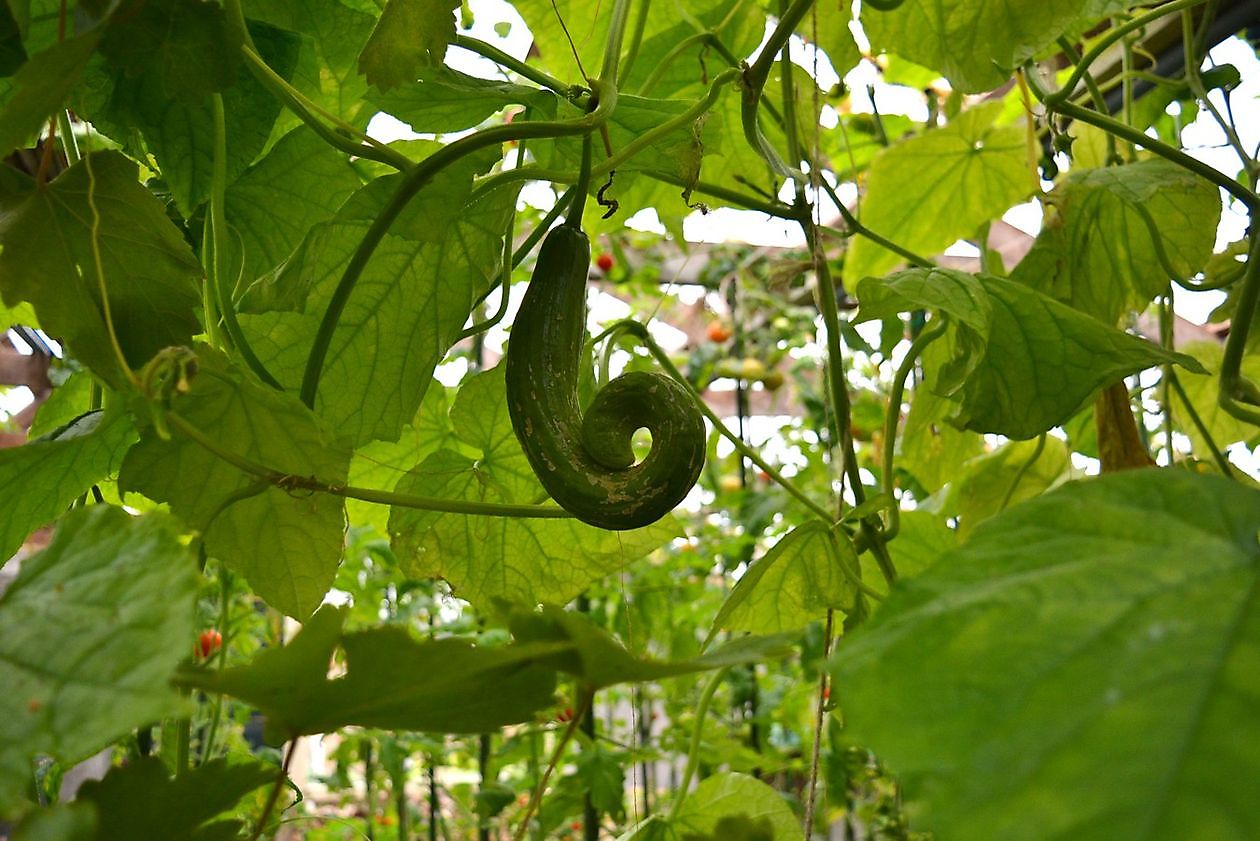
{"x": 947, "y": 528}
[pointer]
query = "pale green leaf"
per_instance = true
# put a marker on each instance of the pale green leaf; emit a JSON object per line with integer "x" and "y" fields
{"x": 286, "y": 545}
{"x": 90, "y": 632}
{"x": 1204, "y": 393}
{"x": 48, "y": 473}
{"x": 1099, "y": 249}
{"x": 410, "y": 34}
{"x": 1015, "y": 472}
{"x": 1022, "y": 362}
{"x": 47, "y": 258}
{"x": 927, "y": 191}
{"x": 1084, "y": 667}
{"x": 446, "y": 100}
{"x": 793, "y": 584}
{"x": 930, "y": 449}
{"x": 734, "y": 795}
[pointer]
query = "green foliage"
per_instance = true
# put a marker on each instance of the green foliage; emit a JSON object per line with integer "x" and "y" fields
{"x": 1104, "y": 627}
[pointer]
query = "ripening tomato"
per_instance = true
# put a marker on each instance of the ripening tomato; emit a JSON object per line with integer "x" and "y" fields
{"x": 718, "y": 332}
{"x": 605, "y": 262}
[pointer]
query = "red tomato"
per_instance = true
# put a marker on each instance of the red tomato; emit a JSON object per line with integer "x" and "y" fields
{"x": 605, "y": 262}
{"x": 208, "y": 642}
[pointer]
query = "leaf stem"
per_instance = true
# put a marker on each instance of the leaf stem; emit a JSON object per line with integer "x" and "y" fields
{"x": 893, "y": 417}
{"x": 218, "y": 247}
{"x": 697, "y": 736}
{"x": 291, "y": 483}
{"x": 535, "y": 799}
{"x": 499, "y": 57}
{"x": 1219, "y": 457}
{"x": 274, "y": 795}
{"x": 1234, "y": 386}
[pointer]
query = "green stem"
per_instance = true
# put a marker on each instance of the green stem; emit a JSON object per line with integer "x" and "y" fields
{"x": 1023, "y": 471}
{"x": 755, "y": 81}
{"x": 697, "y": 736}
{"x": 1095, "y": 93}
{"x": 1104, "y": 43}
{"x": 218, "y": 247}
{"x": 274, "y": 794}
{"x": 1217, "y": 455}
{"x": 584, "y": 704}
{"x": 409, "y": 185}
{"x": 1158, "y": 147}
{"x": 893, "y": 417}
{"x": 1194, "y": 80}
{"x": 667, "y": 61}
{"x": 856, "y": 227}
{"x": 341, "y": 135}
{"x": 69, "y": 143}
{"x": 517, "y": 66}
{"x": 1234, "y": 386}
{"x": 290, "y": 483}
{"x": 636, "y": 40}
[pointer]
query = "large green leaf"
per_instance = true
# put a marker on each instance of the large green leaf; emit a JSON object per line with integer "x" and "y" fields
{"x": 408, "y": 307}
{"x": 410, "y": 34}
{"x": 793, "y": 584}
{"x": 12, "y": 53}
{"x": 733, "y": 795}
{"x": 976, "y": 44}
{"x": 48, "y": 257}
{"x": 1022, "y": 362}
{"x": 90, "y": 632}
{"x": 287, "y": 545}
{"x": 927, "y": 191}
{"x": 142, "y": 802}
{"x": 41, "y": 86}
{"x": 1083, "y": 668}
{"x": 183, "y": 43}
{"x": 180, "y": 132}
{"x": 932, "y": 450}
{"x": 1099, "y": 249}
{"x": 299, "y": 183}
{"x": 391, "y": 681}
{"x": 521, "y": 560}
{"x": 48, "y": 473}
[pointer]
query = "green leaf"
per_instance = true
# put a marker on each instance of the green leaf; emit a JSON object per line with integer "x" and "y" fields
{"x": 1022, "y": 363}
{"x": 976, "y": 44}
{"x": 1098, "y": 249}
{"x": 180, "y": 133}
{"x": 446, "y": 100}
{"x": 63, "y": 822}
{"x": 50, "y": 472}
{"x": 332, "y": 35}
{"x": 1204, "y": 392}
{"x": 142, "y": 801}
{"x": 41, "y": 86}
{"x": 1015, "y": 472}
{"x": 598, "y": 661}
{"x": 183, "y": 43}
{"x": 736, "y": 796}
{"x": 793, "y": 584}
{"x": 527, "y": 561}
{"x": 90, "y": 632}
{"x": 930, "y": 449}
{"x": 48, "y": 259}
{"x": 927, "y": 191}
{"x": 409, "y": 305}
{"x": 287, "y": 545}
{"x": 391, "y": 681}
{"x": 410, "y": 34}
{"x": 12, "y": 53}
{"x": 299, "y": 183}
{"x": 1082, "y": 668}
{"x": 602, "y": 776}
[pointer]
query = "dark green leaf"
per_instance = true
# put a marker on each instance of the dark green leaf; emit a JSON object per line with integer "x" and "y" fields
{"x": 48, "y": 259}
{"x": 446, "y": 100}
{"x": 391, "y": 681}
{"x": 12, "y": 53}
{"x": 1081, "y": 668}
{"x": 287, "y": 545}
{"x": 142, "y": 801}
{"x": 182, "y": 43}
{"x": 41, "y": 86}
{"x": 89, "y": 634}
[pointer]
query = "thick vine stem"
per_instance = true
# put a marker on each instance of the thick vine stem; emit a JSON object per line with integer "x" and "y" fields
{"x": 1234, "y": 386}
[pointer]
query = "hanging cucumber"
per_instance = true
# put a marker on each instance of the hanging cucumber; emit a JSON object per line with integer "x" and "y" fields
{"x": 586, "y": 462}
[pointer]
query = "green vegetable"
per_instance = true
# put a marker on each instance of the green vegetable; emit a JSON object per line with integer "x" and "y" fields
{"x": 586, "y": 463}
